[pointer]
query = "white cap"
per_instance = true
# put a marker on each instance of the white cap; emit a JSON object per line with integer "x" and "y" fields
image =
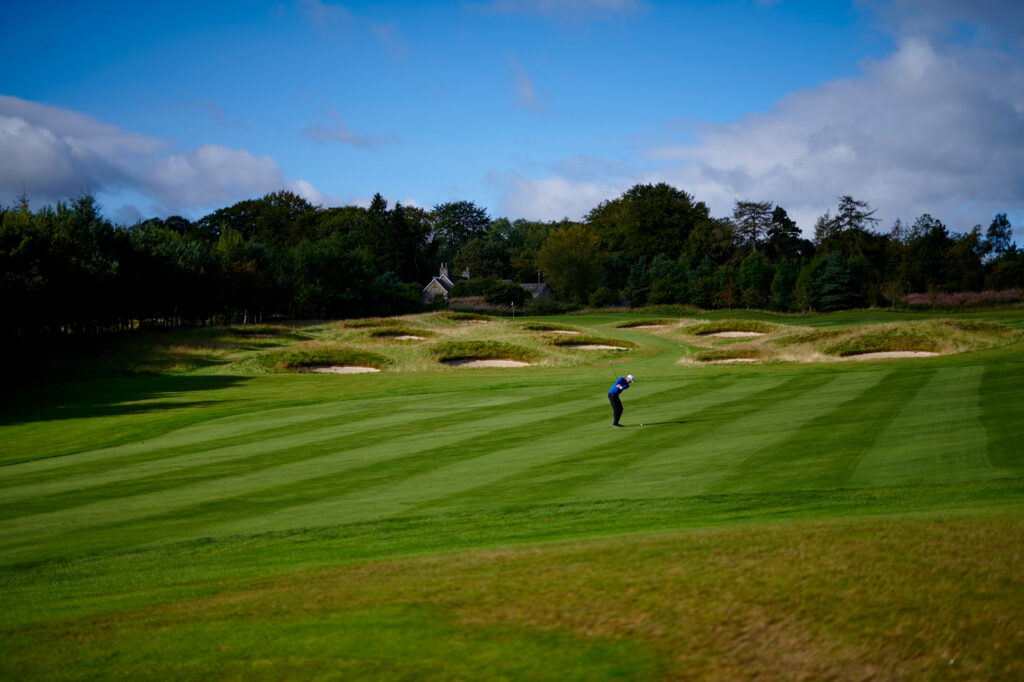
{"x": 629, "y": 378}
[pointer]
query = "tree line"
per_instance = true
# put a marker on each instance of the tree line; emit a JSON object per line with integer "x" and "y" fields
{"x": 66, "y": 270}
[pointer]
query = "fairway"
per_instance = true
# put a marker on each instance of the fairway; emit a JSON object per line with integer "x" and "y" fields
{"x": 778, "y": 519}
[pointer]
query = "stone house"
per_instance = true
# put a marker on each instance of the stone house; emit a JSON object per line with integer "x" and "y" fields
{"x": 438, "y": 286}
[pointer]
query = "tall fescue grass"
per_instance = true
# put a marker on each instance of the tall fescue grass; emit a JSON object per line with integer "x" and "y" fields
{"x": 322, "y": 356}
{"x": 454, "y": 351}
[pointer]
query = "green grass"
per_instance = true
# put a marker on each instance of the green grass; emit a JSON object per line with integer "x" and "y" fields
{"x": 778, "y": 521}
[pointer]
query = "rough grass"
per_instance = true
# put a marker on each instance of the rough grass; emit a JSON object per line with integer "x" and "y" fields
{"x": 729, "y": 325}
{"x": 541, "y": 327}
{"x": 934, "y": 336}
{"x": 371, "y": 322}
{"x": 848, "y": 599}
{"x": 391, "y": 332}
{"x": 453, "y": 351}
{"x": 655, "y": 322}
{"x": 459, "y": 316}
{"x": 589, "y": 340}
{"x": 322, "y": 356}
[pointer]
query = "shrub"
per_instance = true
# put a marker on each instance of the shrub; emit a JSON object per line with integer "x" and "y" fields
{"x": 602, "y": 297}
{"x": 502, "y": 293}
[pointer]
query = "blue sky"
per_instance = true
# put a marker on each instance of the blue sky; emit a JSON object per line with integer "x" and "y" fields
{"x": 531, "y": 109}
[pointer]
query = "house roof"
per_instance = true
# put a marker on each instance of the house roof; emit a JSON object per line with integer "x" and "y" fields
{"x": 535, "y": 289}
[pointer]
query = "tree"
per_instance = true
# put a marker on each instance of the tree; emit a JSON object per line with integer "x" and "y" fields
{"x": 998, "y": 237}
{"x": 835, "y": 283}
{"x": 854, "y": 215}
{"x": 784, "y": 239}
{"x": 751, "y": 219}
{"x": 928, "y": 253}
{"x": 485, "y": 256}
{"x": 571, "y": 260}
{"x": 455, "y": 223}
{"x": 711, "y": 239}
{"x": 824, "y": 227}
{"x": 754, "y": 280}
{"x": 783, "y": 284}
{"x": 271, "y": 219}
{"x": 646, "y": 220}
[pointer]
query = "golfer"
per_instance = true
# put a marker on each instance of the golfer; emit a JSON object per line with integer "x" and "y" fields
{"x": 613, "y": 397}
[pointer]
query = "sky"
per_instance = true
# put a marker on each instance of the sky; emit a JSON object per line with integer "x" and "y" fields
{"x": 530, "y": 109}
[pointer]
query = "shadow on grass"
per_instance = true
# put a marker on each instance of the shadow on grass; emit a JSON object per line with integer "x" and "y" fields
{"x": 681, "y": 421}
{"x": 108, "y": 397}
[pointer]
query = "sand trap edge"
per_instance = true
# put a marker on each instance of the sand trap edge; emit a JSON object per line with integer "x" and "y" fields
{"x": 487, "y": 363}
{"x": 343, "y": 369}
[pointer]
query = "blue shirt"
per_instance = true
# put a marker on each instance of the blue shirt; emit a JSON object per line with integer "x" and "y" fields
{"x": 620, "y": 386}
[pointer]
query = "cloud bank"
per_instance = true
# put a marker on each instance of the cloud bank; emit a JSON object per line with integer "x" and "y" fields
{"x": 936, "y": 126}
{"x": 53, "y": 155}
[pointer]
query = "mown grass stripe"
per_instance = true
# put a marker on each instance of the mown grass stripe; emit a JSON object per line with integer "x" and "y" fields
{"x": 417, "y": 478}
{"x": 399, "y": 441}
{"x": 688, "y": 458}
{"x": 999, "y": 395}
{"x": 227, "y": 454}
{"x": 573, "y": 469}
{"x": 824, "y": 451}
{"x": 936, "y": 437}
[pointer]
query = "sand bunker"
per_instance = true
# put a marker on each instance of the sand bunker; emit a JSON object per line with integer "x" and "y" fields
{"x": 594, "y": 346}
{"x": 892, "y": 354}
{"x": 408, "y": 337}
{"x": 563, "y": 331}
{"x": 340, "y": 369}
{"x": 728, "y": 360}
{"x": 487, "y": 363}
{"x": 735, "y": 335}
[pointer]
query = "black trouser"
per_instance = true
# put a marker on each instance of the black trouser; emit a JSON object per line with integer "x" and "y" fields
{"x": 616, "y": 406}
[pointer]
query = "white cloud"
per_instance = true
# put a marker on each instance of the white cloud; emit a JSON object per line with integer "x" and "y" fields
{"x": 937, "y": 126}
{"x": 54, "y": 155}
{"x": 550, "y": 198}
{"x": 919, "y": 132}
{"x": 210, "y": 174}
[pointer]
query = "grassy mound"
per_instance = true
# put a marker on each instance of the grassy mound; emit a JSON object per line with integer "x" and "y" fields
{"x": 540, "y": 327}
{"x": 931, "y": 336}
{"x": 455, "y": 351}
{"x": 814, "y": 336}
{"x": 587, "y": 340}
{"x": 391, "y": 332}
{"x": 457, "y": 316}
{"x": 644, "y": 323}
{"x": 371, "y": 322}
{"x": 322, "y": 356}
{"x": 885, "y": 340}
{"x": 718, "y": 326}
